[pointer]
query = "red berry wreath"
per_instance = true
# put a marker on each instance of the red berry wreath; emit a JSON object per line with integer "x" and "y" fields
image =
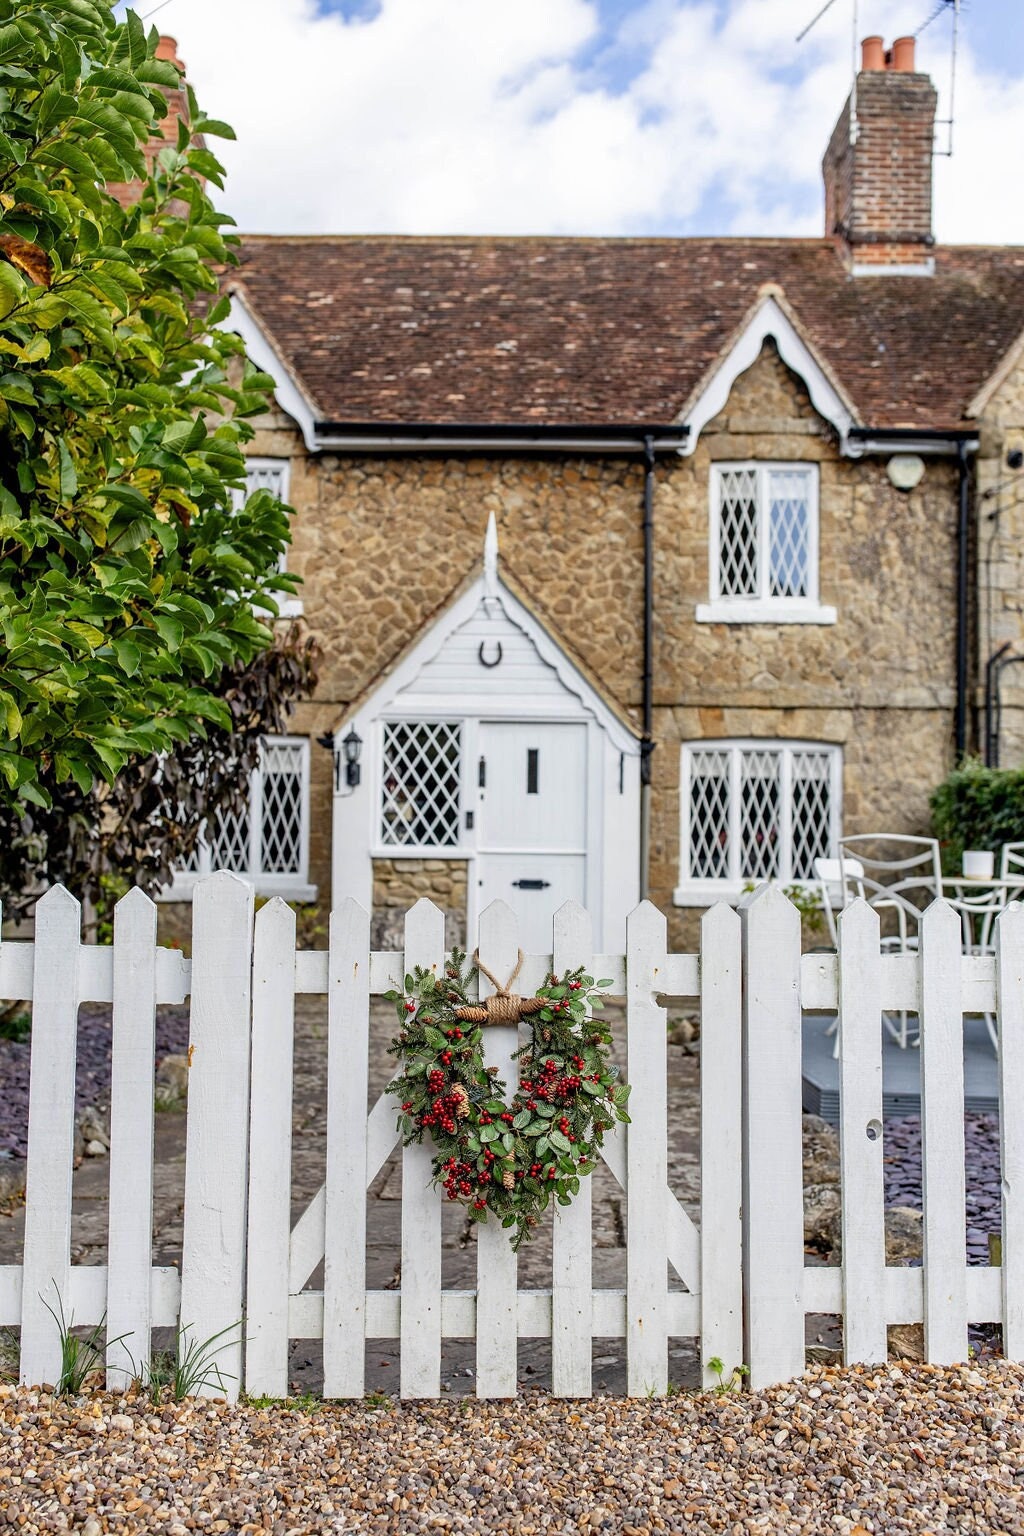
{"x": 508, "y": 1158}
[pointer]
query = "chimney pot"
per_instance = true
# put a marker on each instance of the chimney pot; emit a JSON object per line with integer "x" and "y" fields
{"x": 872, "y": 53}
{"x": 903, "y": 55}
{"x": 167, "y": 48}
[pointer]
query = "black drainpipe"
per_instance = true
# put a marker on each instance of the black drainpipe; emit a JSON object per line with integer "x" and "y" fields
{"x": 963, "y": 530}
{"x": 647, "y": 681}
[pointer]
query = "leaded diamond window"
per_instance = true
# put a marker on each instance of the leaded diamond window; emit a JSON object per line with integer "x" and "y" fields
{"x": 271, "y": 475}
{"x": 267, "y": 839}
{"x": 420, "y": 782}
{"x": 764, "y": 535}
{"x": 758, "y": 810}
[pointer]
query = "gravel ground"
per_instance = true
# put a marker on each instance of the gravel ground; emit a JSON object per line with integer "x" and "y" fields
{"x": 913, "y": 1449}
{"x": 92, "y": 1084}
{"x": 984, "y": 1196}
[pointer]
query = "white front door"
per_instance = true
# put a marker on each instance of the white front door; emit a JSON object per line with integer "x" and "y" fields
{"x": 531, "y": 822}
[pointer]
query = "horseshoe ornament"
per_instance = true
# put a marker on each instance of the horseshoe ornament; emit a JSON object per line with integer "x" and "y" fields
{"x": 483, "y": 659}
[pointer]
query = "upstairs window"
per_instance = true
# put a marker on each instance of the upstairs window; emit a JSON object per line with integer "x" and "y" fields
{"x": 763, "y": 554}
{"x": 755, "y": 811}
{"x": 273, "y": 475}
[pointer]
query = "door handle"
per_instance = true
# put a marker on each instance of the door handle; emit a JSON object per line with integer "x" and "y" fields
{"x": 532, "y": 885}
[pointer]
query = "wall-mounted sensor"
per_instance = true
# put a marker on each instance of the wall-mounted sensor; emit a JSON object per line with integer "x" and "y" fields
{"x": 905, "y": 470}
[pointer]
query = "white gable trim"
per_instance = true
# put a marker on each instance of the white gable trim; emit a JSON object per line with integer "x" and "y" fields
{"x": 261, "y": 352}
{"x": 377, "y": 703}
{"x": 769, "y": 319}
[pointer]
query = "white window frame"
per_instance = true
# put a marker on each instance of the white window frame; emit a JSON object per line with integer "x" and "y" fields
{"x": 464, "y": 846}
{"x": 289, "y": 606}
{"x": 292, "y": 885}
{"x": 763, "y": 609}
{"x": 692, "y": 892}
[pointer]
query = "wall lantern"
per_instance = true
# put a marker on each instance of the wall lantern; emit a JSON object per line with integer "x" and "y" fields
{"x": 352, "y": 746}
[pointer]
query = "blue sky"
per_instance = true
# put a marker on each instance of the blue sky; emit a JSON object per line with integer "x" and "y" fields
{"x": 579, "y": 116}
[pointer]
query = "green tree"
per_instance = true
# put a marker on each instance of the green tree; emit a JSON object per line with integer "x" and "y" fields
{"x": 134, "y": 588}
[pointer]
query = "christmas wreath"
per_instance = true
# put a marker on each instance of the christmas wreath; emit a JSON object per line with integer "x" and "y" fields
{"x": 509, "y": 1158}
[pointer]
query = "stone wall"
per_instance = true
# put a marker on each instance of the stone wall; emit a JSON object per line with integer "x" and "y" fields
{"x": 399, "y": 883}
{"x": 382, "y": 543}
{"x": 1000, "y": 554}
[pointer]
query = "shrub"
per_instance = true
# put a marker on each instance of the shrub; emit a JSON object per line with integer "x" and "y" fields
{"x": 978, "y": 807}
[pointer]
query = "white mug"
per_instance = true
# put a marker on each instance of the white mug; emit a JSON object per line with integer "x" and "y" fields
{"x": 979, "y": 864}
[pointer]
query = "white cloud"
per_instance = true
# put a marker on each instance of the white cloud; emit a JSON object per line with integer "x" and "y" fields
{"x": 486, "y": 116}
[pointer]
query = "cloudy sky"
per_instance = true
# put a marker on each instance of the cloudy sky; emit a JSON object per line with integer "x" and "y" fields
{"x": 580, "y": 116}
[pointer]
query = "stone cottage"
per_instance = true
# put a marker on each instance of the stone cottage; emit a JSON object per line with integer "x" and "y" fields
{"x": 755, "y": 512}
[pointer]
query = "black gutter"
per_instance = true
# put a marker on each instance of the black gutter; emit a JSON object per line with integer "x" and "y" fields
{"x": 911, "y": 434}
{"x": 501, "y": 431}
{"x": 962, "y": 548}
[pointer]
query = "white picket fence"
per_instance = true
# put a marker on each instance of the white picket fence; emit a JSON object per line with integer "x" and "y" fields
{"x": 741, "y": 1286}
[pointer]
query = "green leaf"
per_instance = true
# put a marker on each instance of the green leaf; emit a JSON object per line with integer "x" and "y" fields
{"x": 211, "y": 125}
{"x": 559, "y": 1141}
{"x": 170, "y": 630}
{"x": 12, "y": 289}
{"x": 68, "y": 474}
{"x": 128, "y": 655}
{"x": 11, "y": 714}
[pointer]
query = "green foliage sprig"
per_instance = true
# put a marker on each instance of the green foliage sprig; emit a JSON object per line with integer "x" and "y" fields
{"x": 510, "y": 1158}
{"x": 132, "y": 570}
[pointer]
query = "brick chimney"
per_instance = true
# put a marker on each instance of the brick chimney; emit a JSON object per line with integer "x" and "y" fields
{"x": 878, "y": 165}
{"x": 166, "y": 130}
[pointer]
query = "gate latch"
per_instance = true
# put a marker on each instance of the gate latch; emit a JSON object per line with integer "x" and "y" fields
{"x": 532, "y": 885}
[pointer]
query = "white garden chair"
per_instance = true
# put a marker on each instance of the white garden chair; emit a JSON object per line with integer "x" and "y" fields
{"x": 908, "y": 866}
{"x": 844, "y": 880}
{"x": 1011, "y": 862}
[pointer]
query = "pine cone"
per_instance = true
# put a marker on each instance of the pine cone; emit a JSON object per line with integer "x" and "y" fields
{"x": 461, "y": 1098}
{"x": 508, "y": 1178}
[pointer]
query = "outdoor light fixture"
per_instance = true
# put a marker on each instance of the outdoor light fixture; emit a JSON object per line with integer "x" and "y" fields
{"x": 352, "y": 745}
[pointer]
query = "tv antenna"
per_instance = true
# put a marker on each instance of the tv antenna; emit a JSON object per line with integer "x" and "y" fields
{"x": 943, "y": 7}
{"x": 854, "y": 125}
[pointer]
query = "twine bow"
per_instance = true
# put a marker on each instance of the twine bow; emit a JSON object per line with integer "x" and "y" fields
{"x": 504, "y": 1007}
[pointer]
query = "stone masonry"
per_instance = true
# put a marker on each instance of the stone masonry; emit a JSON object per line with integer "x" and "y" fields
{"x": 382, "y": 543}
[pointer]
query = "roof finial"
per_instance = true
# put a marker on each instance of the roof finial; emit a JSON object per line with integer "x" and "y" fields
{"x": 491, "y": 558}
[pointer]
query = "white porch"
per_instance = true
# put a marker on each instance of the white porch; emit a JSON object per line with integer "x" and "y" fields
{"x": 486, "y": 744}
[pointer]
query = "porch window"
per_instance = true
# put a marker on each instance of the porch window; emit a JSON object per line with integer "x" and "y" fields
{"x": 421, "y": 769}
{"x": 763, "y": 552}
{"x": 754, "y": 811}
{"x": 272, "y": 475}
{"x": 267, "y": 840}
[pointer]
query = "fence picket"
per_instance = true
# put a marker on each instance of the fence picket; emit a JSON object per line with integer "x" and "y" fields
{"x": 497, "y": 1331}
{"x": 646, "y": 1157}
{"x": 860, "y": 1135}
{"x": 421, "y": 1205}
{"x": 348, "y": 1057}
{"x": 943, "y": 1175}
{"x": 217, "y": 1131}
{"x": 773, "y": 1238}
{"x": 46, "y": 1267}
{"x": 721, "y": 1151}
{"x": 572, "y": 1235}
{"x": 270, "y": 1151}
{"x": 133, "y": 1048}
{"x": 1010, "y": 995}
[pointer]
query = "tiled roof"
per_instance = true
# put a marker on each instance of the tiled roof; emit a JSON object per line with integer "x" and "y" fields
{"x": 527, "y": 331}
